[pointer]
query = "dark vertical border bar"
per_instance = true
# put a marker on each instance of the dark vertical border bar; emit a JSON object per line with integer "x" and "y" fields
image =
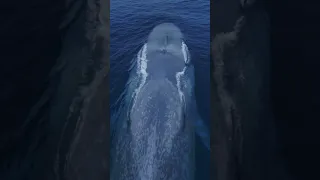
{"x": 55, "y": 124}
{"x": 224, "y": 15}
{"x": 212, "y": 164}
{"x": 88, "y": 153}
{"x": 243, "y": 130}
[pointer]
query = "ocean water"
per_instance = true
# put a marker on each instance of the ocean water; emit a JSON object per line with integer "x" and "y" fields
{"x": 130, "y": 23}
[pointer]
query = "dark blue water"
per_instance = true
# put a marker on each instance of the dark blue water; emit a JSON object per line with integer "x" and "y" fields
{"x": 132, "y": 21}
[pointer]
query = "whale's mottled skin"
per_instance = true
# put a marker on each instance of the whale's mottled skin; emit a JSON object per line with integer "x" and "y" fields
{"x": 155, "y": 132}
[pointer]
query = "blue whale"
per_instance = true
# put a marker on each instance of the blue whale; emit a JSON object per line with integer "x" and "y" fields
{"x": 153, "y": 132}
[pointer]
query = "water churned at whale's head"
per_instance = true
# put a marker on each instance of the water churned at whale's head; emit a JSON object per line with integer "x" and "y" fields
{"x": 162, "y": 63}
{"x": 163, "y": 58}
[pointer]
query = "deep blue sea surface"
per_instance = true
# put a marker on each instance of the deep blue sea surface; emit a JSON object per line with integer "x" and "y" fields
{"x": 132, "y": 21}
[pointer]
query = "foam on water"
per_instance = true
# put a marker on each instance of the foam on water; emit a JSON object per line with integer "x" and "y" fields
{"x": 142, "y": 63}
{"x": 178, "y": 78}
{"x": 185, "y": 52}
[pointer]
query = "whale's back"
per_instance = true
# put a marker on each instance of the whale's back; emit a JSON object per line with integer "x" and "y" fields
{"x": 159, "y": 144}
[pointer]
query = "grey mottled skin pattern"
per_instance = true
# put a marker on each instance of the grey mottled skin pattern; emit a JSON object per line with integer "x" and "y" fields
{"x": 154, "y": 138}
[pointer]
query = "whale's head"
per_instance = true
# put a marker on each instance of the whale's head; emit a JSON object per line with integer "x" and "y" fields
{"x": 165, "y": 56}
{"x": 166, "y": 51}
{"x": 166, "y": 77}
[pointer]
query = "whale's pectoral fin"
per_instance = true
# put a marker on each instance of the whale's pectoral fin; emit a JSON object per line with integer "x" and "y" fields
{"x": 128, "y": 124}
{"x": 184, "y": 121}
{"x": 202, "y": 131}
{"x": 128, "y": 121}
{"x": 128, "y": 118}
